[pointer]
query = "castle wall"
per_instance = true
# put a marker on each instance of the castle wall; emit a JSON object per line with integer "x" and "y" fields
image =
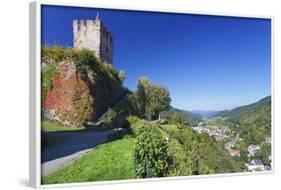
{"x": 106, "y": 48}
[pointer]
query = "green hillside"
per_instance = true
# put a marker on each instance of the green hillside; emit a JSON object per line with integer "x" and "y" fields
{"x": 252, "y": 122}
{"x": 247, "y": 109}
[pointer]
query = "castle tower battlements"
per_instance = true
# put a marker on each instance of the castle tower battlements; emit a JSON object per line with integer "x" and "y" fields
{"x": 93, "y": 35}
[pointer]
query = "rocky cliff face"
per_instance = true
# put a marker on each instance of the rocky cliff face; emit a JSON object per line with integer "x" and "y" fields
{"x": 76, "y": 98}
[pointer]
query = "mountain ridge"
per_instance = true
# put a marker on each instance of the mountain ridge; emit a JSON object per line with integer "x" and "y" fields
{"x": 244, "y": 108}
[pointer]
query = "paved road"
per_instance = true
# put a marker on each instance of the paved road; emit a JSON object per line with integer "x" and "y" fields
{"x": 68, "y": 147}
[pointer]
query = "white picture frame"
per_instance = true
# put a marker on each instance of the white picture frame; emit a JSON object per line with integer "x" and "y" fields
{"x": 35, "y": 90}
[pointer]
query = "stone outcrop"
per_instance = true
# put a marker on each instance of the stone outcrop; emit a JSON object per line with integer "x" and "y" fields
{"x": 77, "y": 98}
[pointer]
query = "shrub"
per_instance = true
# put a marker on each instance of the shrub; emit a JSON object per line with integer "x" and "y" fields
{"x": 265, "y": 153}
{"x": 181, "y": 164}
{"x": 121, "y": 76}
{"x": 53, "y": 53}
{"x": 136, "y": 123}
{"x": 84, "y": 59}
{"x": 111, "y": 117}
{"x": 176, "y": 118}
{"x": 151, "y": 153}
{"x": 71, "y": 53}
{"x": 48, "y": 75}
{"x": 133, "y": 119}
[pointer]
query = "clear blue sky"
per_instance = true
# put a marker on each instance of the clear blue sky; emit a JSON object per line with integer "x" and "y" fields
{"x": 206, "y": 62}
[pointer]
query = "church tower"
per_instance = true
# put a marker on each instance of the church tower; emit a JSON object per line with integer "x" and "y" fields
{"x": 93, "y": 35}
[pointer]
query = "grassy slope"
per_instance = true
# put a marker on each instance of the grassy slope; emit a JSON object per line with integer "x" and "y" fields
{"x": 111, "y": 161}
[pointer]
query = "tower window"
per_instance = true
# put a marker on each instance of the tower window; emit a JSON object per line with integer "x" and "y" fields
{"x": 106, "y": 49}
{"x": 78, "y": 25}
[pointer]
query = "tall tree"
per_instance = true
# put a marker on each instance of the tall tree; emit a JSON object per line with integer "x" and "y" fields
{"x": 152, "y": 99}
{"x": 158, "y": 100}
{"x": 141, "y": 94}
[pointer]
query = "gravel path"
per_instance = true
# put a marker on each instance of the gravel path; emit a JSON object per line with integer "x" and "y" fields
{"x": 69, "y": 147}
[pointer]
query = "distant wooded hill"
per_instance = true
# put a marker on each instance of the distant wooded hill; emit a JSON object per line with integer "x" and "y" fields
{"x": 248, "y": 114}
{"x": 207, "y": 113}
{"x": 252, "y": 121}
{"x": 187, "y": 116}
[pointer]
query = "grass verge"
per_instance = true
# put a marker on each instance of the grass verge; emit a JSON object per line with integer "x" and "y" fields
{"x": 53, "y": 126}
{"x": 110, "y": 161}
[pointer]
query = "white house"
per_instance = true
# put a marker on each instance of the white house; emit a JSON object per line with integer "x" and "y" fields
{"x": 252, "y": 149}
{"x": 255, "y": 165}
{"x": 230, "y": 144}
{"x": 268, "y": 140}
{"x": 234, "y": 152}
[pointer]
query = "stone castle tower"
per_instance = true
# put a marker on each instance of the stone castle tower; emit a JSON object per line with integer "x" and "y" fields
{"x": 93, "y": 35}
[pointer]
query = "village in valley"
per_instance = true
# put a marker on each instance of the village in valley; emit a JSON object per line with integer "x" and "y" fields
{"x": 231, "y": 140}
